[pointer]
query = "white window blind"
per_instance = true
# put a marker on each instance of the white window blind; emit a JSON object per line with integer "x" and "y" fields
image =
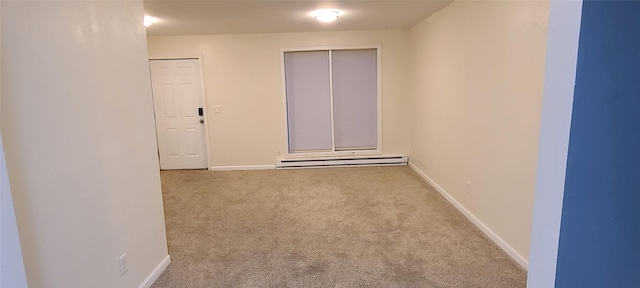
{"x": 308, "y": 101}
{"x": 332, "y": 100}
{"x": 355, "y": 99}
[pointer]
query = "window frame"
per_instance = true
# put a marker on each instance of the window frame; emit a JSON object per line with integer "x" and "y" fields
{"x": 333, "y": 153}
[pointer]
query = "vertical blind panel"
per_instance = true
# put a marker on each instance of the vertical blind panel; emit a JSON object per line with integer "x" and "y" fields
{"x": 308, "y": 101}
{"x": 355, "y": 98}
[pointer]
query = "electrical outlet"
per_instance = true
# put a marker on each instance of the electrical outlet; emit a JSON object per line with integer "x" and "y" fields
{"x": 217, "y": 109}
{"x": 468, "y": 183}
{"x": 124, "y": 264}
{"x": 278, "y": 152}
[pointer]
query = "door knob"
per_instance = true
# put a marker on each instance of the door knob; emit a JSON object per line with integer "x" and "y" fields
{"x": 201, "y": 121}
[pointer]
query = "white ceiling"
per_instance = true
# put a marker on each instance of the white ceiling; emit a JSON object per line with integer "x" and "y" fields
{"x": 179, "y": 17}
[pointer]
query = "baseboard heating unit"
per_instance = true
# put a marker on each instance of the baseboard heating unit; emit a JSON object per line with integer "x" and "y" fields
{"x": 340, "y": 162}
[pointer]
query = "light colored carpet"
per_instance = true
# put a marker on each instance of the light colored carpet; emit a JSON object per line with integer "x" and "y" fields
{"x": 337, "y": 227}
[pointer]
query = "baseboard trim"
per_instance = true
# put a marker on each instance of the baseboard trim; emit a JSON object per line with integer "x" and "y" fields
{"x": 247, "y": 167}
{"x": 486, "y": 230}
{"x": 156, "y": 273}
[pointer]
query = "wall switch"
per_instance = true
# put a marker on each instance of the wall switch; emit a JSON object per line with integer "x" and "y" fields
{"x": 124, "y": 264}
{"x": 468, "y": 187}
{"x": 217, "y": 109}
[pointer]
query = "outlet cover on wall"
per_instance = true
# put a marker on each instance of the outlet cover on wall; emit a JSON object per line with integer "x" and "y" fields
{"x": 468, "y": 190}
{"x": 124, "y": 264}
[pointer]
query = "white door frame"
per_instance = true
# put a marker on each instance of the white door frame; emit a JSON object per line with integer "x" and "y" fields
{"x": 204, "y": 101}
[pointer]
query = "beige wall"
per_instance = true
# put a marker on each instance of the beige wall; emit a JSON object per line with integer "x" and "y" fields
{"x": 477, "y": 72}
{"x": 77, "y": 121}
{"x": 243, "y": 75}
{"x": 11, "y": 265}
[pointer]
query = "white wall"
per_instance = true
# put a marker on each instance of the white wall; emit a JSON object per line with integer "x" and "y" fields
{"x": 243, "y": 75}
{"x": 477, "y": 72}
{"x": 77, "y": 121}
{"x": 11, "y": 264}
{"x": 555, "y": 126}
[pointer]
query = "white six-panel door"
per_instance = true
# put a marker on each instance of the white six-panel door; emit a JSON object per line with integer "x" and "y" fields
{"x": 177, "y": 96}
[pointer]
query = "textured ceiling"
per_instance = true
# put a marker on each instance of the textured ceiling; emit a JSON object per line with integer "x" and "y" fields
{"x": 179, "y": 17}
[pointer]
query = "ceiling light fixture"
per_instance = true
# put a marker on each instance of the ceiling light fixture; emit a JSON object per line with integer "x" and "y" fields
{"x": 326, "y": 15}
{"x": 148, "y": 20}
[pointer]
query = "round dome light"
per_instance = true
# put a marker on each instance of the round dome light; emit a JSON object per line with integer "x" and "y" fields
{"x": 148, "y": 20}
{"x": 326, "y": 15}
